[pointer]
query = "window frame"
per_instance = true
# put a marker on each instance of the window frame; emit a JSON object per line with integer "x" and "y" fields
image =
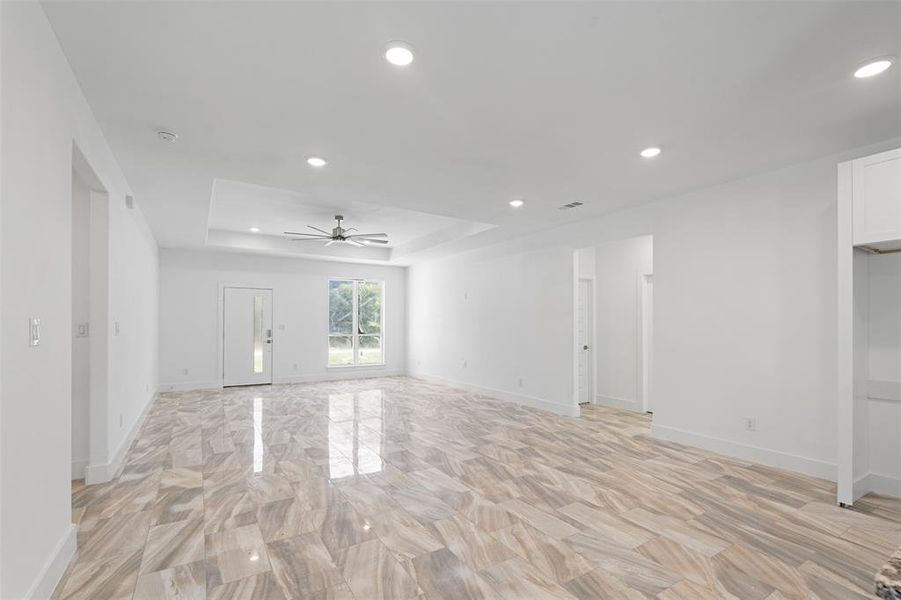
{"x": 355, "y": 333}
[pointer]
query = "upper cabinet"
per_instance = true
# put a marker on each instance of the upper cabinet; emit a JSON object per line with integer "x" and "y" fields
{"x": 876, "y": 191}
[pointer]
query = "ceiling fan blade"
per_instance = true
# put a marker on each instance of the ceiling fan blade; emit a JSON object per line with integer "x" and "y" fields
{"x": 311, "y": 239}
{"x": 371, "y": 235}
{"x": 330, "y": 242}
{"x": 353, "y": 243}
{"x": 371, "y": 241}
{"x": 313, "y": 235}
{"x": 328, "y": 233}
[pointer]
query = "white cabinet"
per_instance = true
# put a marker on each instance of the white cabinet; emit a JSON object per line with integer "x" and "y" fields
{"x": 868, "y": 341}
{"x": 876, "y": 192}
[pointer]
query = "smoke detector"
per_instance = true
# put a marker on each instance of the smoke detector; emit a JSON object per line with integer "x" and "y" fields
{"x": 167, "y": 136}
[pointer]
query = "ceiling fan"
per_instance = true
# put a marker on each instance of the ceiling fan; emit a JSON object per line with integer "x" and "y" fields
{"x": 339, "y": 235}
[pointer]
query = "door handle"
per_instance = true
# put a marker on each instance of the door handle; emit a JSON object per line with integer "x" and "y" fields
{"x": 585, "y": 347}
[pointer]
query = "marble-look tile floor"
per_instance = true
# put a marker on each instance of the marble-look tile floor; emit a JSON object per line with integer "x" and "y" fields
{"x": 394, "y": 488}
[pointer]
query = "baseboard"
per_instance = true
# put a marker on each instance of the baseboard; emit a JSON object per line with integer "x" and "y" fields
{"x": 78, "y": 467}
{"x": 765, "y": 456}
{"x": 55, "y": 566}
{"x": 188, "y": 386}
{"x": 532, "y": 401}
{"x": 884, "y": 485}
{"x": 884, "y": 390}
{"x": 335, "y": 375}
{"x": 339, "y": 374}
{"x": 101, "y": 473}
{"x": 633, "y": 405}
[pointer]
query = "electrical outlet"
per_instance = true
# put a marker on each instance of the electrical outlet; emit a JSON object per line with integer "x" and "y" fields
{"x": 520, "y": 382}
{"x": 82, "y": 330}
{"x": 121, "y": 420}
{"x": 465, "y": 364}
{"x": 116, "y": 328}
{"x": 750, "y": 424}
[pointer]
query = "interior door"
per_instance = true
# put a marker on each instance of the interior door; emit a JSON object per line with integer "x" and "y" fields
{"x": 647, "y": 339}
{"x": 246, "y": 336}
{"x": 586, "y": 331}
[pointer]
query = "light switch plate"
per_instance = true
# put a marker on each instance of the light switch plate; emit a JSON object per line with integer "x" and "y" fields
{"x": 34, "y": 331}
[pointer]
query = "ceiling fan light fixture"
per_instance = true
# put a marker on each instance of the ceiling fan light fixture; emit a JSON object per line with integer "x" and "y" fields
{"x": 317, "y": 161}
{"x": 339, "y": 235}
{"x": 517, "y": 203}
{"x": 650, "y": 152}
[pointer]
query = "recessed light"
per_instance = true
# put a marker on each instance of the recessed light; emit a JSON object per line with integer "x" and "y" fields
{"x": 254, "y": 229}
{"x": 516, "y": 203}
{"x": 873, "y": 67}
{"x": 650, "y": 152}
{"x": 315, "y": 161}
{"x": 399, "y": 54}
{"x": 167, "y": 136}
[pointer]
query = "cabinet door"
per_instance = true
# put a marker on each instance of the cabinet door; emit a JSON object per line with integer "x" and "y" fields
{"x": 877, "y": 198}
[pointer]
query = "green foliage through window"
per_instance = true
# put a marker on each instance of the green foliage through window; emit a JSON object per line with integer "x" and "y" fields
{"x": 355, "y": 322}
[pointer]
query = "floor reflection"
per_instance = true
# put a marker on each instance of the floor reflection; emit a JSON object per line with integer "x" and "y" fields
{"x": 355, "y": 433}
{"x": 257, "y": 435}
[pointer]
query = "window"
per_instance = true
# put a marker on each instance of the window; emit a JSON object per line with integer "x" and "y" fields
{"x": 355, "y": 320}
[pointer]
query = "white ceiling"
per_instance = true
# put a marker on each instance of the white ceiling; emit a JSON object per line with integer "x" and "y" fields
{"x": 236, "y": 207}
{"x": 549, "y": 101}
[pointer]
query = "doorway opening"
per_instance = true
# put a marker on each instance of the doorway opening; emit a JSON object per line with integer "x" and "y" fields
{"x": 614, "y": 324}
{"x": 89, "y": 252}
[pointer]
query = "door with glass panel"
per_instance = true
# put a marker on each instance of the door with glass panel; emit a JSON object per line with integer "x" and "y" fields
{"x": 246, "y": 336}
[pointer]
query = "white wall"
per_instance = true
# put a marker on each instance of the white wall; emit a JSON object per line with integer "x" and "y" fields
{"x": 189, "y": 315}
{"x": 43, "y": 115}
{"x": 618, "y": 269}
{"x": 81, "y": 313}
{"x": 744, "y": 323}
{"x": 884, "y": 340}
{"x": 496, "y": 322}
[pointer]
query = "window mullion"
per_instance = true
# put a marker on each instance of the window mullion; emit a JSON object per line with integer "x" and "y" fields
{"x": 356, "y": 322}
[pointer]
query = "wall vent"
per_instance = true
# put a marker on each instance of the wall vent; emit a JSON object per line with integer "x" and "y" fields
{"x": 571, "y": 205}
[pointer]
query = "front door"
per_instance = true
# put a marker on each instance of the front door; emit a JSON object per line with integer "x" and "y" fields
{"x": 247, "y": 336}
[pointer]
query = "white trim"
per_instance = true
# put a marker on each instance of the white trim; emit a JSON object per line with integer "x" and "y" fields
{"x": 884, "y": 390}
{"x": 565, "y": 410}
{"x": 187, "y": 386}
{"x": 592, "y": 361}
{"x": 764, "y": 456}
{"x": 885, "y": 485}
{"x": 645, "y": 338}
{"x": 845, "y": 335}
{"x": 52, "y": 571}
{"x": 78, "y": 466}
{"x": 358, "y": 372}
{"x": 381, "y": 365}
{"x": 107, "y": 471}
{"x": 624, "y": 403}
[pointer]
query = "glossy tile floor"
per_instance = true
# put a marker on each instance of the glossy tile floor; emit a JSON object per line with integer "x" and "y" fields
{"x": 394, "y": 488}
